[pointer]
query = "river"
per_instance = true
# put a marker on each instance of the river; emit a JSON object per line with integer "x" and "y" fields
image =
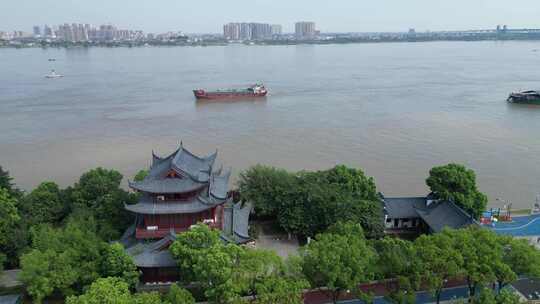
{"x": 393, "y": 109}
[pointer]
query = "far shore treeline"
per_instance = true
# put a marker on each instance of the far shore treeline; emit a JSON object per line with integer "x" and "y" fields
{"x": 63, "y": 240}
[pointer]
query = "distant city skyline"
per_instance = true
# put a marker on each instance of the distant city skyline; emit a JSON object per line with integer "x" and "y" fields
{"x": 341, "y": 16}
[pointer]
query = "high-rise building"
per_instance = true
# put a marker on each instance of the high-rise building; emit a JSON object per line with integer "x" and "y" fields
{"x": 260, "y": 31}
{"x": 231, "y": 31}
{"x": 249, "y": 31}
{"x": 305, "y": 30}
{"x": 37, "y": 31}
{"x": 245, "y": 31}
{"x": 276, "y": 29}
{"x": 48, "y": 31}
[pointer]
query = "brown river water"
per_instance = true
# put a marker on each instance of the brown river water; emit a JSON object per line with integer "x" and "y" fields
{"x": 393, "y": 109}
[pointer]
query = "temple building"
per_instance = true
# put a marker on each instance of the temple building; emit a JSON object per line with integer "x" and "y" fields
{"x": 179, "y": 191}
{"x": 411, "y": 216}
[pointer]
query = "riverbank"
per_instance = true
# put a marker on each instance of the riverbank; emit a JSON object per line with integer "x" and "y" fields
{"x": 31, "y": 43}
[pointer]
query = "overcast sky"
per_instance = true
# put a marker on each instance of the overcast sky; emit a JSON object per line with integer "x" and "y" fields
{"x": 208, "y": 16}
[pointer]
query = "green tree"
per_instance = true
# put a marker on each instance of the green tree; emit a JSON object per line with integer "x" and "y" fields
{"x": 266, "y": 187}
{"x": 226, "y": 272}
{"x": 6, "y": 182}
{"x": 147, "y": 298}
{"x": 98, "y": 192}
{"x": 507, "y": 297}
{"x": 15, "y": 244}
{"x": 439, "y": 261}
{"x": 139, "y": 177}
{"x": 179, "y": 295}
{"x": 397, "y": 259}
{"x": 215, "y": 269}
{"x": 37, "y": 273}
{"x": 457, "y": 183}
{"x": 486, "y": 296}
{"x": 189, "y": 245}
{"x": 9, "y": 214}
{"x": 117, "y": 263}
{"x": 338, "y": 262}
{"x": 279, "y": 290}
{"x": 481, "y": 253}
{"x": 519, "y": 258}
{"x": 43, "y": 205}
{"x": 62, "y": 259}
{"x": 104, "y": 291}
{"x": 254, "y": 266}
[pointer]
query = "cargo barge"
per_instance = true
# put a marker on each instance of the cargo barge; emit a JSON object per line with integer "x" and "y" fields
{"x": 256, "y": 90}
{"x": 528, "y": 97}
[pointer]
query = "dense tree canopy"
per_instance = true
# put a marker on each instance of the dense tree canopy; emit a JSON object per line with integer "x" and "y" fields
{"x": 481, "y": 255}
{"x": 104, "y": 291}
{"x": 439, "y": 261}
{"x": 98, "y": 192}
{"x": 457, "y": 183}
{"x": 6, "y": 182}
{"x": 519, "y": 258}
{"x": 339, "y": 261}
{"x": 397, "y": 259}
{"x": 179, "y": 295}
{"x": 268, "y": 188}
{"x": 117, "y": 263}
{"x": 44, "y": 204}
{"x": 307, "y": 203}
{"x": 228, "y": 272}
{"x": 9, "y": 214}
{"x": 68, "y": 259}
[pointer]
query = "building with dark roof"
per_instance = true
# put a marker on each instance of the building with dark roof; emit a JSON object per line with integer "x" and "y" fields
{"x": 528, "y": 290}
{"x": 415, "y": 215}
{"x": 180, "y": 190}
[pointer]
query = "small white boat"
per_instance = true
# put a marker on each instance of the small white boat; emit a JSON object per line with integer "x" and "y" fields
{"x": 53, "y": 74}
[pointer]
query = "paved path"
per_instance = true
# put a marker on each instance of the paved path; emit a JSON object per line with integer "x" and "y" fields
{"x": 424, "y": 297}
{"x": 8, "y": 278}
{"x": 519, "y": 226}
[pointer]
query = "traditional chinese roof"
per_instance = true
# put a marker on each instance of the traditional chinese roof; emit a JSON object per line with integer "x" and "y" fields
{"x": 166, "y": 185}
{"x": 403, "y": 207}
{"x": 436, "y": 214}
{"x": 149, "y": 205}
{"x": 528, "y": 288}
{"x": 198, "y": 168}
{"x": 193, "y": 173}
{"x": 236, "y": 223}
{"x": 153, "y": 254}
{"x": 219, "y": 184}
{"x": 445, "y": 214}
{"x": 156, "y": 253}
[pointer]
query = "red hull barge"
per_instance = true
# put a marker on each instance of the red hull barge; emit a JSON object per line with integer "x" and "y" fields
{"x": 257, "y": 90}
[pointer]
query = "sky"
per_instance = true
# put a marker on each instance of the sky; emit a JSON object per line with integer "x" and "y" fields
{"x": 208, "y": 16}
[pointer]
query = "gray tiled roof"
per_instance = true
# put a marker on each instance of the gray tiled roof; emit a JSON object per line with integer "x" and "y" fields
{"x": 195, "y": 170}
{"x": 219, "y": 184}
{"x": 166, "y": 185}
{"x": 529, "y": 288}
{"x": 147, "y": 205}
{"x": 153, "y": 254}
{"x": 403, "y": 207}
{"x": 443, "y": 214}
{"x": 236, "y": 223}
{"x": 198, "y": 168}
{"x": 241, "y": 219}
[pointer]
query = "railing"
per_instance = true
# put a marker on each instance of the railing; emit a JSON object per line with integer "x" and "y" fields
{"x": 143, "y": 233}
